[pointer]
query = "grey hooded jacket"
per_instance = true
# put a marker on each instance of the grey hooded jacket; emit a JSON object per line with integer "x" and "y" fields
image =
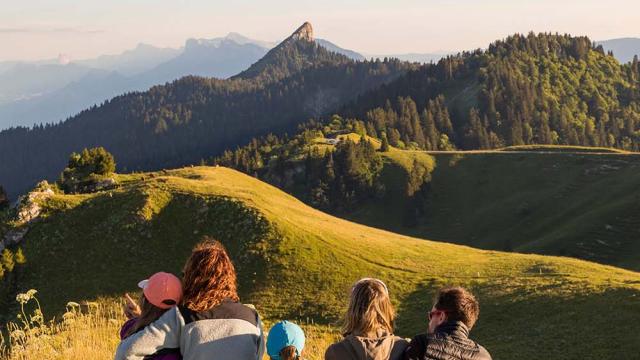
{"x": 383, "y": 346}
{"x": 229, "y": 331}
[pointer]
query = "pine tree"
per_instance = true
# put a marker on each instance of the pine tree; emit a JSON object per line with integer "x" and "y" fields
{"x": 20, "y": 258}
{"x": 385, "y": 144}
{"x": 394, "y": 137}
{"x": 7, "y": 260}
{"x": 4, "y": 200}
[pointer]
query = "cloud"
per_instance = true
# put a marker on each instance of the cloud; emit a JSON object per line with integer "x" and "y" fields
{"x": 48, "y": 30}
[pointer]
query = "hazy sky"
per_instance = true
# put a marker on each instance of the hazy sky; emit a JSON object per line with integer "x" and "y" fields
{"x": 36, "y": 29}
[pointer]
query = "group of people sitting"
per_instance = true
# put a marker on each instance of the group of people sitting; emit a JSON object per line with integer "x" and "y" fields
{"x": 201, "y": 317}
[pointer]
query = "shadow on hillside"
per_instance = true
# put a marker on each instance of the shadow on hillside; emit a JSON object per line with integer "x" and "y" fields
{"x": 105, "y": 246}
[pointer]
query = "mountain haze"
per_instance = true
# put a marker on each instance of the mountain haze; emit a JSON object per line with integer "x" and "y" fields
{"x": 140, "y": 59}
{"x": 623, "y": 49}
{"x": 195, "y": 118}
{"x": 107, "y": 76}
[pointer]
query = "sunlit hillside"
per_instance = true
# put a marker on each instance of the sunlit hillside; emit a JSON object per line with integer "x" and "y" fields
{"x": 298, "y": 263}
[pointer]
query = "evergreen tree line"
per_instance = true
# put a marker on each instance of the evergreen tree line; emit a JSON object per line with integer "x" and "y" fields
{"x": 334, "y": 178}
{"x": 4, "y": 199}
{"x": 9, "y": 260}
{"x": 526, "y": 89}
{"x": 192, "y": 118}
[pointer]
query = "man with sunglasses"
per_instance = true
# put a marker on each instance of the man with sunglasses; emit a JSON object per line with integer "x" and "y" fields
{"x": 454, "y": 313}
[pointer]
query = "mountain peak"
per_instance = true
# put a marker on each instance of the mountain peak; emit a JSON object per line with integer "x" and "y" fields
{"x": 304, "y": 32}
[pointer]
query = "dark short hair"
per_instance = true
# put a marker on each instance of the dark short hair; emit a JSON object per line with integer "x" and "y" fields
{"x": 459, "y": 305}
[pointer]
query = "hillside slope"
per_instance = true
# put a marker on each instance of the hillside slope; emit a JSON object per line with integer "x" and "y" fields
{"x": 297, "y": 262}
{"x": 572, "y": 204}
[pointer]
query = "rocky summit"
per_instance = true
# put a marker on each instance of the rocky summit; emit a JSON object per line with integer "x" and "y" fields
{"x": 304, "y": 32}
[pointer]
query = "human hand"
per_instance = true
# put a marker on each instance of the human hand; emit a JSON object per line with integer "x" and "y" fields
{"x": 131, "y": 308}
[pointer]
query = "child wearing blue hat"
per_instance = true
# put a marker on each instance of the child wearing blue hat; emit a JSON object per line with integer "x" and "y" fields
{"x": 285, "y": 341}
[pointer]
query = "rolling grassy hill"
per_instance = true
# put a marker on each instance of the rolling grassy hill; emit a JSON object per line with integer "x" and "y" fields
{"x": 536, "y": 200}
{"x": 297, "y": 262}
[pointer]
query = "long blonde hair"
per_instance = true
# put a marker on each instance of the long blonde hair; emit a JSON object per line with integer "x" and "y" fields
{"x": 370, "y": 309}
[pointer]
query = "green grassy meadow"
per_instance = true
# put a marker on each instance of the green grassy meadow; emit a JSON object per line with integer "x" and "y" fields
{"x": 558, "y": 202}
{"x": 298, "y": 263}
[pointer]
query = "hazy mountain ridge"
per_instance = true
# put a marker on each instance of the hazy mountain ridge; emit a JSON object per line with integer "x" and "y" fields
{"x": 194, "y": 118}
{"x": 131, "y": 62}
{"x": 138, "y": 69}
{"x": 133, "y": 70}
{"x": 624, "y": 49}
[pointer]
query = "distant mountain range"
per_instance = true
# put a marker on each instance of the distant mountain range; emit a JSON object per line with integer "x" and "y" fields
{"x": 624, "y": 49}
{"x": 131, "y": 62}
{"x": 194, "y": 118}
{"x": 49, "y": 92}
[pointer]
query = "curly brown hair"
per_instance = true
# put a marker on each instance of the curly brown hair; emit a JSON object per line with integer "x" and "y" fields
{"x": 209, "y": 276}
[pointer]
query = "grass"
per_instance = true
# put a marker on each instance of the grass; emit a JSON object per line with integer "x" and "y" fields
{"x": 295, "y": 262}
{"x": 565, "y": 148}
{"x": 92, "y": 332}
{"x": 571, "y": 204}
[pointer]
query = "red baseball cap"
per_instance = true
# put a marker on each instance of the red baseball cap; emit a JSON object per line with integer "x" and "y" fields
{"x": 162, "y": 289}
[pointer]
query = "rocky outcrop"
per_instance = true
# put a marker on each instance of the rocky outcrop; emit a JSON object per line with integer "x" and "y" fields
{"x": 14, "y": 237}
{"x": 29, "y": 205}
{"x": 27, "y": 211}
{"x": 99, "y": 185}
{"x": 304, "y": 32}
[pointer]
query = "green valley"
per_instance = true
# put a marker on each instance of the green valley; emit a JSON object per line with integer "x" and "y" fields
{"x": 564, "y": 203}
{"x": 296, "y": 262}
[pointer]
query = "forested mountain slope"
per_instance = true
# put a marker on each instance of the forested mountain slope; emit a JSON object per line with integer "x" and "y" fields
{"x": 194, "y": 118}
{"x": 571, "y": 201}
{"x": 533, "y": 89}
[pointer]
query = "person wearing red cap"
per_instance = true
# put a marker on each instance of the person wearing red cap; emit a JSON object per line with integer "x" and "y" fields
{"x": 210, "y": 322}
{"x": 160, "y": 292}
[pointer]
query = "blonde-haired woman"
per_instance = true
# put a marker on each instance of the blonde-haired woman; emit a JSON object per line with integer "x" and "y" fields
{"x": 368, "y": 326}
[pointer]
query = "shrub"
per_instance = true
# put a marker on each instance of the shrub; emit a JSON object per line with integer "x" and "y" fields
{"x": 86, "y": 167}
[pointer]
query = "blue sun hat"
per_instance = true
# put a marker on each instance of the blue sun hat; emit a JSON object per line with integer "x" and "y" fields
{"x": 284, "y": 334}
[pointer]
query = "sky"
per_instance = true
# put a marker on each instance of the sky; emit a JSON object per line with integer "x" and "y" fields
{"x": 79, "y": 29}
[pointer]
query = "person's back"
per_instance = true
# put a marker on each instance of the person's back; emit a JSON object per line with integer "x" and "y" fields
{"x": 454, "y": 313}
{"x": 210, "y": 322}
{"x": 368, "y": 328}
{"x": 231, "y": 331}
{"x": 450, "y": 341}
{"x": 383, "y": 346}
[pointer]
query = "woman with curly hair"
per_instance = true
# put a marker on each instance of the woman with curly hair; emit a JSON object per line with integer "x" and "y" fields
{"x": 210, "y": 322}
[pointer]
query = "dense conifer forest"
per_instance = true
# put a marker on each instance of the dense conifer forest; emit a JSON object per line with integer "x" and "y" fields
{"x": 526, "y": 89}
{"x": 194, "y": 118}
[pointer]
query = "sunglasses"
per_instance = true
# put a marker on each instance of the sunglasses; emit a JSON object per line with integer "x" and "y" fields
{"x": 434, "y": 312}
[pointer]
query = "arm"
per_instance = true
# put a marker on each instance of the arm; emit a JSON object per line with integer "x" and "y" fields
{"x": 162, "y": 333}
{"x": 261, "y": 343}
{"x": 330, "y": 354}
{"x": 416, "y": 348}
